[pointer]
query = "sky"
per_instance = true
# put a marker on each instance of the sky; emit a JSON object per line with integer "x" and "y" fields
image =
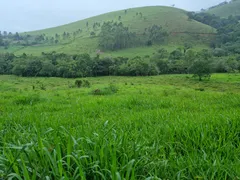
{"x": 29, "y": 15}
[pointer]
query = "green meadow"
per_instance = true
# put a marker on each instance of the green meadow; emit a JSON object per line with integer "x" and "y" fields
{"x": 162, "y": 127}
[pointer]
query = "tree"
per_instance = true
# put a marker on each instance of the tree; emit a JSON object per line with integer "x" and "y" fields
{"x": 156, "y": 34}
{"x": 138, "y": 67}
{"x": 187, "y": 46}
{"x": 161, "y": 54}
{"x": 1, "y": 41}
{"x": 6, "y": 63}
{"x": 102, "y": 66}
{"x": 17, "y": 36}
{"x": 84, "y": 65}
{"x": 5, "y": 33}
{"x": 48, "y": 69}
{"x": 57, "y": 36}
{"x": 33, "y": 67}
{"x": 115, "y": 36}
{"x": 189, "y": 57}
{"x": 92, "y": 34}
{"x": 64, "y": 35}
{"x": 201, "y": 68}
{"x": 218, "y": 52}
{"x": 162, "y": 65}
{"x": 176, "y": 55}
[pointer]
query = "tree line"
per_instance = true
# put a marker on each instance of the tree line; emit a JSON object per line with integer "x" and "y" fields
{"x": 180, "y": 61}
{"x": 15, "y": 39}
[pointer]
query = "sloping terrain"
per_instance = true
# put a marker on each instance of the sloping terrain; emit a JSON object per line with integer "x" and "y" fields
{"x": 226, "y": 9}
{"x": 79, "y": 40}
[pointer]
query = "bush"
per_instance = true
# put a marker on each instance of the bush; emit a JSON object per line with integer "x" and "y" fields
{"x": 111, "y": 89}
{"x": 78, "y": 83}
{"x": 201, "y": 69}
{"x": 86, "y": 84}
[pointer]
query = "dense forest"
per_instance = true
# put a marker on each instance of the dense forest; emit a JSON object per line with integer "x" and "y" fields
{"x": 228, "y": 29}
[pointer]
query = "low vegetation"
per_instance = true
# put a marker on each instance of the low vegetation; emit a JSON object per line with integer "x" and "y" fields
{"x": 162, "y": 127}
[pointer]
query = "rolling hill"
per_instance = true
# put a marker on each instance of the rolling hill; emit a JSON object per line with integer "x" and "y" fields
{"x": 226, "y": 9}
{"x": 174, "y": 21}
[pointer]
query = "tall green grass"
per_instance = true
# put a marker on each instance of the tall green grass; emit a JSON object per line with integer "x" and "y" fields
{"x": 150, "y": 128}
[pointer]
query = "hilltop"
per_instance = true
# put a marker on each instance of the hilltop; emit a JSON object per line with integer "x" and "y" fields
{"x": 83, "y": 36}
{"x": 226, "y": 9}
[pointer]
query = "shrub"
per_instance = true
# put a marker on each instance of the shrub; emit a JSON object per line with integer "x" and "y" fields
{"x": 78, "y": 83}
{"x": 43, "y": 87}
{"x": 200, "y": 89}
{"x": 201, "y": 68}
{"x": 86, "y": 84}
{"x": 111, "y": 89}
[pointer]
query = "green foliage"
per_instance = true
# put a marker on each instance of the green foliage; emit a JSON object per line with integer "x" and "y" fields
{"x": 201, "y": 69}
{"x": 78, "y": 83}
{"x": 86, "y": 84}
{"x": 28, "y": 100}
{"x": 138, "y": 67}
{"x": 6, "y": 61}
{"x": 228, "y": 31}
{"x": 156, "y": 34}
{"x": 162, "y": 127}
{"x": 226, "y": 9}
{"x": 83, "y": 65}
{"x": 109, "y": 90}
{"x": 115, "y": 36}
{"x": 176, "y": 54}
{"x": 218, "y": 52}
{"x": 92, "y": 34}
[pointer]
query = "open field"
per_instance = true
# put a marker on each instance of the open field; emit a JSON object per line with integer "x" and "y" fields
{"x": 129, "y": 53}
{"x": 162, "y": 127}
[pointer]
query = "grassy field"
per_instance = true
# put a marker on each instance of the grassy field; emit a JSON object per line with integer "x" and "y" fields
{"x": 232, "y": 8}
{"x": 163, "y": 127}
{"x": 130, "y": 52}
{"x": 171, "y": 19}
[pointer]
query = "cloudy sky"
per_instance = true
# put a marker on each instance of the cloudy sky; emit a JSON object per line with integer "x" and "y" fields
{"x": 27, "y": 15}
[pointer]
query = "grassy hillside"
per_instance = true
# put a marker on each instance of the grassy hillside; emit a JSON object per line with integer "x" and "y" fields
{"x": 171, "y": 19}
{"x": 232, "y": 8}
{"x": 163, "y": 127}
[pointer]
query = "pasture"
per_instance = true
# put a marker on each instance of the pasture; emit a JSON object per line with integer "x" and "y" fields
{"x": 162, "y": 127}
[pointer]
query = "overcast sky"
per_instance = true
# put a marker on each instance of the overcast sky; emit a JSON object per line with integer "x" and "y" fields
{"x": 28, "y": 15}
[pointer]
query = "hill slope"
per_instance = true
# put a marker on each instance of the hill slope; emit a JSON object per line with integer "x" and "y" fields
{"x": 173, "y": 20}
{"x": 226, "y": 9}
